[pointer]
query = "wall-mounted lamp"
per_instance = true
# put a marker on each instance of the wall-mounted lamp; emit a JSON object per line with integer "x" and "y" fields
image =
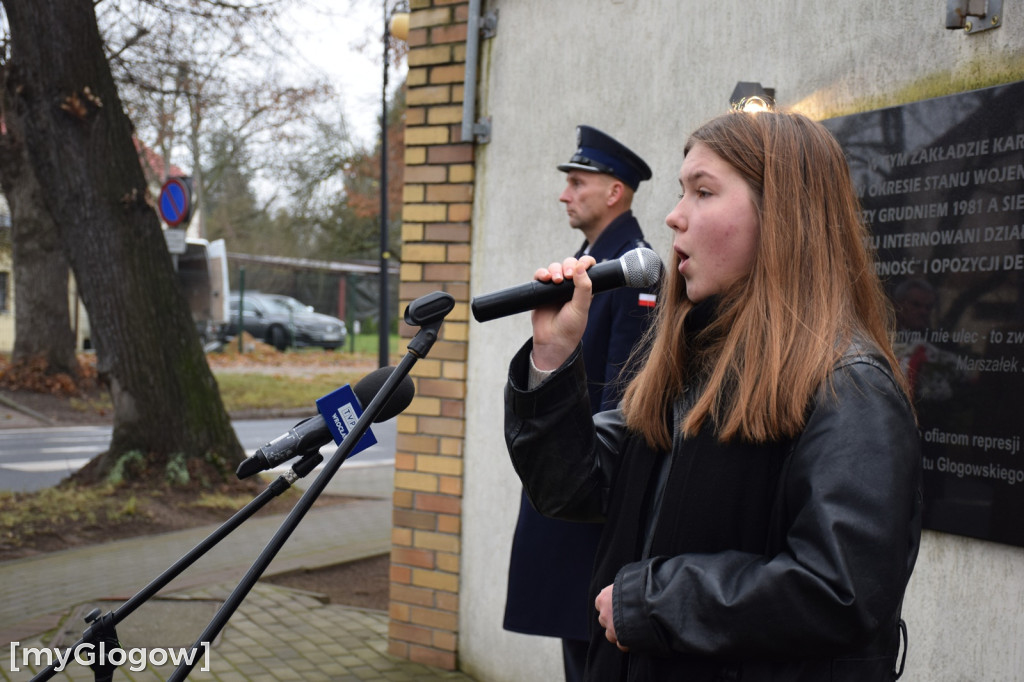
{"x": 974, "y": 16}
{"x": 400, "y": 25}
{"x": 750, "y": 97}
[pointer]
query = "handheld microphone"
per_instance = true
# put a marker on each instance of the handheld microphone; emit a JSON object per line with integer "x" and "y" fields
{"x": 314, "y": 432}
{"x": 638, "y": 268}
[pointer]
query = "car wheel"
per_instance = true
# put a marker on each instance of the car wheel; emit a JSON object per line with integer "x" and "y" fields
{"x": 279, "y": 338}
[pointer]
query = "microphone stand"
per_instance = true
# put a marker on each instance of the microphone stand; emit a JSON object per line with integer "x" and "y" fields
{"x": 102, "y": 627}
{"x": 427, "y": 312}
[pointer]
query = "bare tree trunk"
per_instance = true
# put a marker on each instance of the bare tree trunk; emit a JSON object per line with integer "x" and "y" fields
{"x": 79, "y": 143}
{"x": 41, "y": 309}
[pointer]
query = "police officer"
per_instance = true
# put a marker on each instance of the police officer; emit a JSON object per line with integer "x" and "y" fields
{"x": 551, "y": 561}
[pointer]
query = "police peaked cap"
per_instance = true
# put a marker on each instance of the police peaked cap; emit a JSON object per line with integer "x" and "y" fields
{"x": 598, "y": 152}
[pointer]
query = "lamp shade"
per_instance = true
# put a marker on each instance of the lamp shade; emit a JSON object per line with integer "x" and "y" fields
{"x": 400, "y": 25}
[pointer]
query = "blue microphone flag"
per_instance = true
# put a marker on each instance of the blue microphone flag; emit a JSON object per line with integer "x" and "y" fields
{"x": 341, "y": 410}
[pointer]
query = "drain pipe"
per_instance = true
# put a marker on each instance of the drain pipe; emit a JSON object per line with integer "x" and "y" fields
{"x": 478, "y": 27}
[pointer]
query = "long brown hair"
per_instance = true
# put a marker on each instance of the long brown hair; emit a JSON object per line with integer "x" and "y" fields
{"x": 780, "y": 329}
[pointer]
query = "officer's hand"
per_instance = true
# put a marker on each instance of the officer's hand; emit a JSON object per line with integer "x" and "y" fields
{"x": 603, "y": 604}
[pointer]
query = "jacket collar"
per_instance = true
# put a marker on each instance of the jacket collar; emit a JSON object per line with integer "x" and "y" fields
{"x": 619, "y": 234}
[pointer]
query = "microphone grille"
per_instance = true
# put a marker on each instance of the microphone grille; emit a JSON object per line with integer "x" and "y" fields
{"x": 642, "y": 267}
{"x": 369, "y": 386}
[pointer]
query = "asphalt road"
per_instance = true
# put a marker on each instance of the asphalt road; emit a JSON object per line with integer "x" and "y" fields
{"x": 39, "y": 457}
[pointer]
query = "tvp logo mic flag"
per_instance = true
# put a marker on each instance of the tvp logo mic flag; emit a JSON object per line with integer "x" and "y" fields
{"x": 341, "y": 410}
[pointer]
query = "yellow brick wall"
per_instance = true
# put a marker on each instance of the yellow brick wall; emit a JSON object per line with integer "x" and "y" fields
{"x": 437, "y": 198}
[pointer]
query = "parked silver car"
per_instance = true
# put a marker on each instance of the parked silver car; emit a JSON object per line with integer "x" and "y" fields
{"x": 282, "y": 321}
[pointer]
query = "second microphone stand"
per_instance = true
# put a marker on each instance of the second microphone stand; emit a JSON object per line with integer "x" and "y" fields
{"x": 102, "y": 627}
{"x": 427, "y": 312}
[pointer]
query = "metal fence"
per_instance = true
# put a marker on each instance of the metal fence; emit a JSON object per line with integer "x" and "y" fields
{"x": 349, "y": 291}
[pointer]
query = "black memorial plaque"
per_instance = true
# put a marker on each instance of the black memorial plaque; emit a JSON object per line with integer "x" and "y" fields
{"x": 942, "y": 187}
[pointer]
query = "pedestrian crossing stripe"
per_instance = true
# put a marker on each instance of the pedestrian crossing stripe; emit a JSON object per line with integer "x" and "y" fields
{"x": 46, "y": 466}
{"x": 51, "y": 465}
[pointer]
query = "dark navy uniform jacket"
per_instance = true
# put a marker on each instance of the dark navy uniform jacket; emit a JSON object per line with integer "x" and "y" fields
{"x": 551, "y": 563}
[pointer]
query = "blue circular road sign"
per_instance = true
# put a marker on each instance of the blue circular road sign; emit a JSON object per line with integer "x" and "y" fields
{"x": 175, "y": 202}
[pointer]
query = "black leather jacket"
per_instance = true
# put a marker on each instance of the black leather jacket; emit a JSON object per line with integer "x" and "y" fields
{"x": 770, "y": 561}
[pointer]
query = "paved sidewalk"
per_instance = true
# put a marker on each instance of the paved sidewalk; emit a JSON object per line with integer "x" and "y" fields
{"x": 276, "y": 633}
{"x": 13, "y": 415}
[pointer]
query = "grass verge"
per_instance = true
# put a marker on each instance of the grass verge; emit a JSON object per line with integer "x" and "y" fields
{"x": 66, "y": 515}
{"x": 277, "y": 391}
{"x": 69, "y": 515}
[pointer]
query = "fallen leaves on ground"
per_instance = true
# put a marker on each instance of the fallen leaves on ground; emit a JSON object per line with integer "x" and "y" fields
{"x": 35, "y": 374}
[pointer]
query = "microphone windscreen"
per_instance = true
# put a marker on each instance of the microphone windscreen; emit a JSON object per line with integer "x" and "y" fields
{"x": 370, "y": 385}
{"x": 642, "y": 267}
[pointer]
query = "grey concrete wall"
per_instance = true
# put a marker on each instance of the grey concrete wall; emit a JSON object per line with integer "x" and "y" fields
{"x": 649, "y": 71}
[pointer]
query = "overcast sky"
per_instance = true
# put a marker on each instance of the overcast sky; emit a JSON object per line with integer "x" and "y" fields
{"x": 342, "y": 39}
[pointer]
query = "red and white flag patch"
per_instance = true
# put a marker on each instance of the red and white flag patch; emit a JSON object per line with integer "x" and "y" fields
{"x": 647, "y": 300}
